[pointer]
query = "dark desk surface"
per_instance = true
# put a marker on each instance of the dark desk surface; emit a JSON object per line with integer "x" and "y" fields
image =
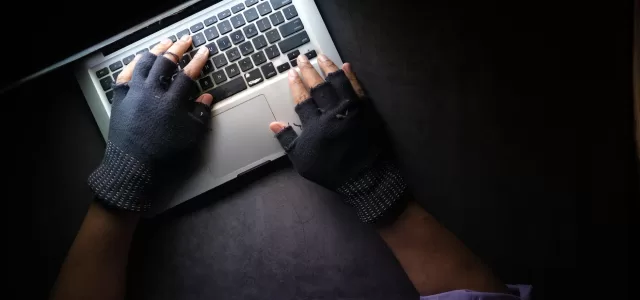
{"x": 504, "y": 131}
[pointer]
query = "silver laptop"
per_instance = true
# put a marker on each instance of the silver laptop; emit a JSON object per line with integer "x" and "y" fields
{"x": 252, "y": 44}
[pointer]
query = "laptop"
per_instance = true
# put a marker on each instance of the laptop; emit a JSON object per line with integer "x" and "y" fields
{"x": 252, "y": 46}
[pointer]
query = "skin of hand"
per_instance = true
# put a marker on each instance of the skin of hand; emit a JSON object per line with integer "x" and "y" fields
{"x": 95, "y": 266}
{"x": 433, "y": 258}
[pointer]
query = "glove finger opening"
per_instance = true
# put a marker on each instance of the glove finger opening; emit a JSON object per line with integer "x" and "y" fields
{"x": 144, "y": 65}
{"x": 287, "y": 137}
{"x": 307, "y": 110}
{"x": 183, "y": 88}
{"x": 342, "y": 86}
{"x": 325, "y": 96}
{"x": 161, "y": 69}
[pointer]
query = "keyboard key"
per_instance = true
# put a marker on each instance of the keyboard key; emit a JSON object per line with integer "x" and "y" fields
{"x": 110, "y": 96}
{"x": 219, "y": 76}
{"x": 225, "y": 14}
{"x": 251, "y": 15}
{"x": 263, "y": 24}
{"x": 293, "y": 42}
{"x": 211, "y": 33}
{"x": 102, "y": 72}
{"x": 250, "y": 2}
{"x": 196, "y": 27}
{"x": 259, "y": 42}
{"x": 294, "y": 63}
{"x": 220, "y": 61}
{"x": 173, "y": 38}
{"x": 233, "y": 54}
{"x": 311, "y": 54}
{"x": 293, "y": 55}
{"x": 224, "y": 27}
{"x": 276, "y": 18}
{"x": 250, "y": 31}
{"x": 258, "y": 58}
{"x": 291, "y": 28}
{"x": 142, "y": 51}
{"x": 232, "y": 70}
{"x": 272, "y": 51}
{"x": 184, "y": 61}
{"x": 279, "y": 3}
{"x": 115, "y": 75}
{"x": 245, "y": 64}
{"x": 211, "y": 20}
{"x": 284, "y": 67}
{"x": 198, "y": 40}
{"x": 264, "y": 8}
{"x": 237, "y": 8}
{"x": 206, "y": 83}
{"x": 254, "y": 77}
{"x": 237, "y": 37}
{"x": 246, "y": 48}
{"x": 115, "y": 66}
{"x": 212, "y": 49}
{"x": 128, "y": 59}
{"x": 268, "y": 70}
{"x": 273, "y": 35}
{"x": 229, "y": 89}
{"x": 290, "y": 12}
{"x": 183, "y": 32}
{"x": 237, "y": 21}
{"x": 106, "y": 83}
{"x": 208, "y": 67}
{"x": 224, "y": 43}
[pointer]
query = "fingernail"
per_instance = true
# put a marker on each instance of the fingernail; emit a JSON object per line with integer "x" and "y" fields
{"x": 185, "y": 37}
{"x": 202, "y": 50}
{"x": 303, "y": 58}
{"x": 323, "y": 58}
{"x": 166, "y": 41}
{"x": 347, "y": 67}
{"x": 293, "y": 74}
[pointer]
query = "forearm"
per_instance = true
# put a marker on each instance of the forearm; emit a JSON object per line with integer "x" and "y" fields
{"x": 95, "y": 267}
{"x": 433, "y": 258}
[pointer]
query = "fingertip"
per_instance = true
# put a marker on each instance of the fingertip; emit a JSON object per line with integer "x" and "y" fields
{"x": 347, "y": 67}
{"x": 277, "y": 126}
{"x": 205, "y": 98}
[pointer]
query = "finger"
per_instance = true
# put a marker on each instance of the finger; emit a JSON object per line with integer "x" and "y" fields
{"x": 179, "y": 48}
{"x": 298, "y": 90}
{"x": 286, "y": 136}
{"x": 127, "y": 72}
{"x": 352, "y": 78}
{"x": 201, "y": 113}
{"x": 310, "y": 76}
{"x": 276, "y": 127}
{"x": 205, "y": 99}
{"x": 194, "y": 67}
{"x": 327, "y": 65}
{"x": 161, "y": 47}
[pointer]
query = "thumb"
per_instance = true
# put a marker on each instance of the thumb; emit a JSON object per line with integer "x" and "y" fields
{"x": 276, "y": 127}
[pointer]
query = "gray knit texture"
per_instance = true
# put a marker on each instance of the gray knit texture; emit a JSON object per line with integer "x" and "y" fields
{"x": 121, "y": 181}
{"x": 374, "y": 191}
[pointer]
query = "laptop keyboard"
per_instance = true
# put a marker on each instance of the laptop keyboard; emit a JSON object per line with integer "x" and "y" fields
{"x": 241, "y": 42}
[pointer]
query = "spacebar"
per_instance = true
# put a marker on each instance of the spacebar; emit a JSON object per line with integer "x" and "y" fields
{"x": 294, "y": 42}
{"x": 228, "y": 89}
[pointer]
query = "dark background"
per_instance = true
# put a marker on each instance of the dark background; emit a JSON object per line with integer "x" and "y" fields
{"x": 512, "y": 122}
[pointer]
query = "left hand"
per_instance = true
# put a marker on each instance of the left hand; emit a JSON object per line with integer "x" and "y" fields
{"x": 152, "y": 121}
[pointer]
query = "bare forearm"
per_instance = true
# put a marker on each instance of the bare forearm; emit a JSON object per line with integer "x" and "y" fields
{"x": 95, "y": 267}
{"x": 433, "y": 258}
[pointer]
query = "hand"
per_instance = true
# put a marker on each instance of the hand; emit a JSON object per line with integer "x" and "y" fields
{"x": 152, "y": 121}
{"x": 343, "y": 145}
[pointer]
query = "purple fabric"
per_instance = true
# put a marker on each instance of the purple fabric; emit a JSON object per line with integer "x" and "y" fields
{"x": 516, "y": 292}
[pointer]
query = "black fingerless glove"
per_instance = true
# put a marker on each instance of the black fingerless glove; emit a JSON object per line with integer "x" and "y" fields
{"x": 343, "y": 147}
{"x": 152, "y": 120}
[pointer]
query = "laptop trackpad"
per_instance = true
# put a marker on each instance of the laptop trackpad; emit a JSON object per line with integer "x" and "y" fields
{"x": 241, "y": 136}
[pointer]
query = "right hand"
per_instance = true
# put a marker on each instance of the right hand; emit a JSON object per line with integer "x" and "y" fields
{"x": 343, "y": 145}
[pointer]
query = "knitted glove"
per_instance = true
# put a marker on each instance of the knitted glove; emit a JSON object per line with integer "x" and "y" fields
{"x": 152, "y": 121}
{"x": 343, "y": 147}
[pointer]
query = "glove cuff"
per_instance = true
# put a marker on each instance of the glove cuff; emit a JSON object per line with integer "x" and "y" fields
{"x": 121, "y": 181}
{"x": 375, "y": 192}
